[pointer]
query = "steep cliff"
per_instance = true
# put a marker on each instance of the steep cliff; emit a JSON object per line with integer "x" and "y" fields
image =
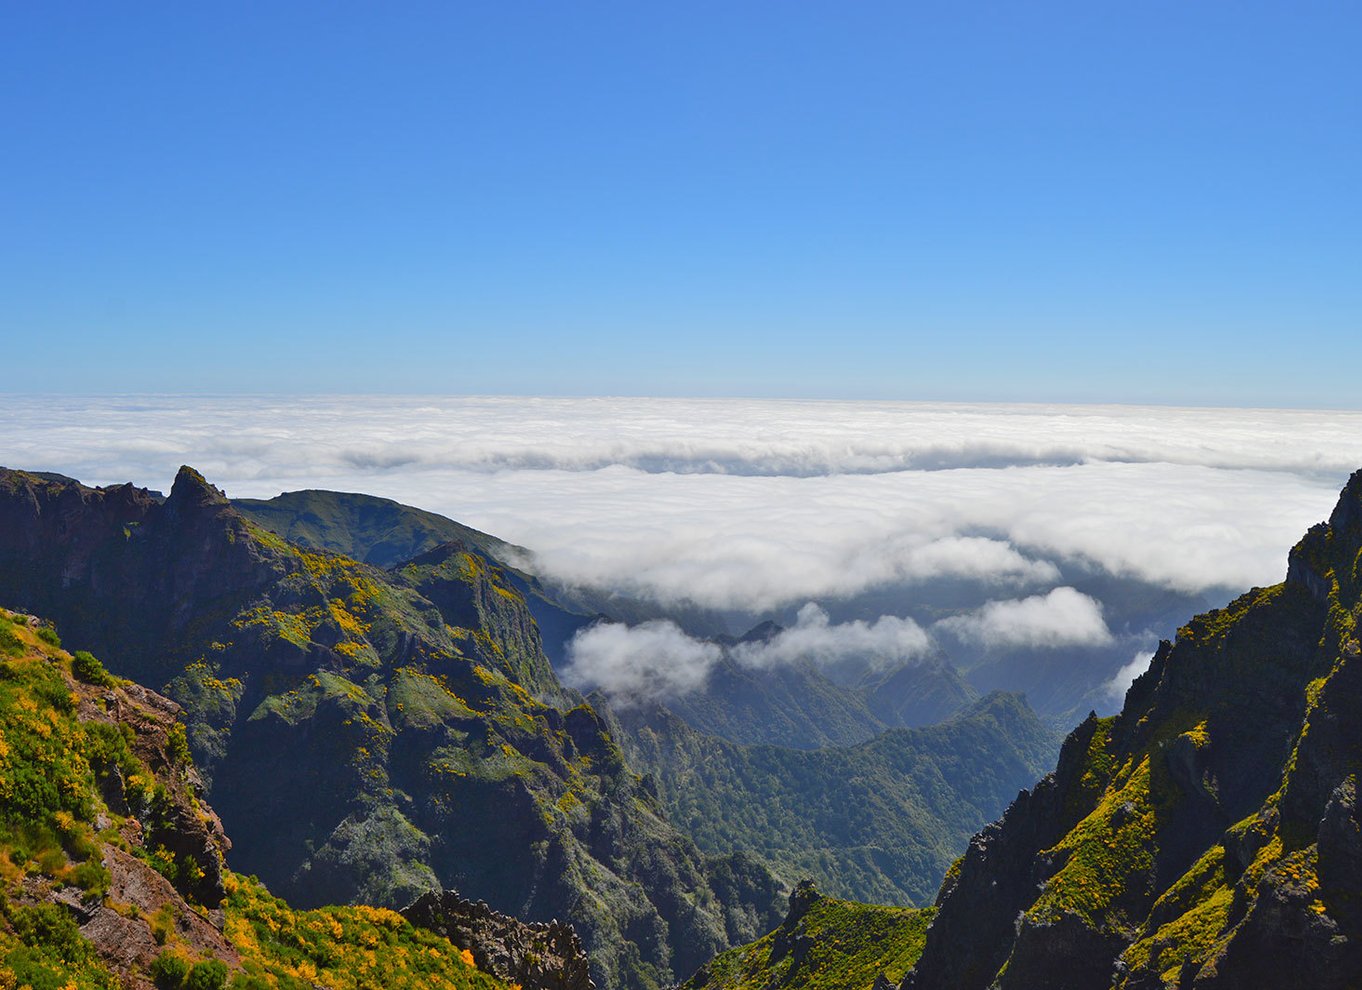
{"x": 1208, "y": 835}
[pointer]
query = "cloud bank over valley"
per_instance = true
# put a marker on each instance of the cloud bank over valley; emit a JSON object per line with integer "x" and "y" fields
{"x": 758, "y": 507}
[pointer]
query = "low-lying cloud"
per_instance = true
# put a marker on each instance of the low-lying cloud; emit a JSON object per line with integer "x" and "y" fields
{"x": 889, "y": 639}
{"x": 651, "y": 661}
{"x": 1116, "y": 688}
{"x": 1063, "y": 617}
{"x": 758, "y": 505}
{"x": 656, "y": 660}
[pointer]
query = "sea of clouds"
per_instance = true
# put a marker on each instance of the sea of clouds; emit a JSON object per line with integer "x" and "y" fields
{"x": 760, "y": 506}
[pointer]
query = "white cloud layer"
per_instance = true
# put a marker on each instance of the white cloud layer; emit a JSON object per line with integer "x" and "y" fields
{"x": 758, "y": 504}
{"x": 1117, "y": 687}
{"x": 649, "y": 661}
{"x": 1063, "y": 617}
{"x": 657, "y": 660}
{"x": 886, "y": 640}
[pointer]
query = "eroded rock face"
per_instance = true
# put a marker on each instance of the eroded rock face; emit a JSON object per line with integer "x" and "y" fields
{"x": 1208, "y": 836}
{"x": 538, "y": 956}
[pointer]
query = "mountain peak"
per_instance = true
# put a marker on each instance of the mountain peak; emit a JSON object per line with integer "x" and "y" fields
{"x": 193, "y": 488}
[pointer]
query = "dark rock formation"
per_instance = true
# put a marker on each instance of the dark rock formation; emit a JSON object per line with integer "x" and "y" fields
{"x": 538, "y": 956}
{"x": 1207, "y": 836}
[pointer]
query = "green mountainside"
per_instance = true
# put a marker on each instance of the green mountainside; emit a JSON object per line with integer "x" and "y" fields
{"x": 1208, "y": 836}
{"x": 794, "y": 705}
{"x": 880, "y": 821}
{"x": 366, "y": 528}
{"x": 111, "y": 864}
{"x": 823, "y": 944}
{"x": 385, "y": 533}
{"x": 360, "y": 742}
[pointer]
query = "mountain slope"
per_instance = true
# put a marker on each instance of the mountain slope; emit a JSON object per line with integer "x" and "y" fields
{"x": 823, "y": 944}
{"x": 786, "y": 705}
{"x": 879, "y": 821}
{"x": 360, "y": 742}
{"x": 111, "y": 865}
{"x": 387, "y": 534}
{"x": 1208, "y": 835}
{"x": 366, "y": 528}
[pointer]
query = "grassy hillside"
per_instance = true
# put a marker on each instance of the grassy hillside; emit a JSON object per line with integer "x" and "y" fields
{"x": 367, "y": 528}
{"x": 823, "y": 944}
{"x": 387, "y": 534}
{"x": 111, "y": 869}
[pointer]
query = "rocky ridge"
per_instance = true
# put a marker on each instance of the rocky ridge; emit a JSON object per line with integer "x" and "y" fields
{"x": 1208, "y": 835}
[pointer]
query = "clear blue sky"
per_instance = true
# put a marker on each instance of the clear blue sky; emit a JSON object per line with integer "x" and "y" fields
{"x": 1153, "y": 201}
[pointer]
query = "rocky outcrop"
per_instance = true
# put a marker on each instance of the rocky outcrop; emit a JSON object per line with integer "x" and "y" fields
{"x": 537, "y": 956}
{"x": 1208, "y": 835}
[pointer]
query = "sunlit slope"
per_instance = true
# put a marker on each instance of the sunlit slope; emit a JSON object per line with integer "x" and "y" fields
{"x": 112, "y": 867}
{"x": 1208, "y": 835}
{"x": 823, "y": 944}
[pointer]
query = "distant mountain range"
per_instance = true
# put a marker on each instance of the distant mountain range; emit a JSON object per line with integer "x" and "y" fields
{"x": 879, "y": 821}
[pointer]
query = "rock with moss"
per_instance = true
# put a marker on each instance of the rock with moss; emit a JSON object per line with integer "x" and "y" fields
{"x": 1207, "y": 836}
{"x": 535, "y": 956}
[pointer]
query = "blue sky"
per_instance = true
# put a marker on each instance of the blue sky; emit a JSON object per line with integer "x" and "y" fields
{"x": 1152, "y": 202}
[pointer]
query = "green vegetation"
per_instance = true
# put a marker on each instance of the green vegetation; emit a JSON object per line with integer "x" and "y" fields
{"x": 881, "y": 821}
{"x": 54, "y": 774}
{"x": 832, "y": 945}
{"x": 1107, "y": 857}
{"x": 87, "y": 668}
{"x": 344, "y": 948}
{"x": 47, "y": 780}
{"x": 375, "y": 530}
{"x": 41, "y": 948}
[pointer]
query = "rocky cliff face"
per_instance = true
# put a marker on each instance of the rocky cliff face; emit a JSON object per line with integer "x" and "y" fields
{"x": 1208, "y": 835}
{"x": 371, "y": 735}
{"x": 535, "y": 956}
